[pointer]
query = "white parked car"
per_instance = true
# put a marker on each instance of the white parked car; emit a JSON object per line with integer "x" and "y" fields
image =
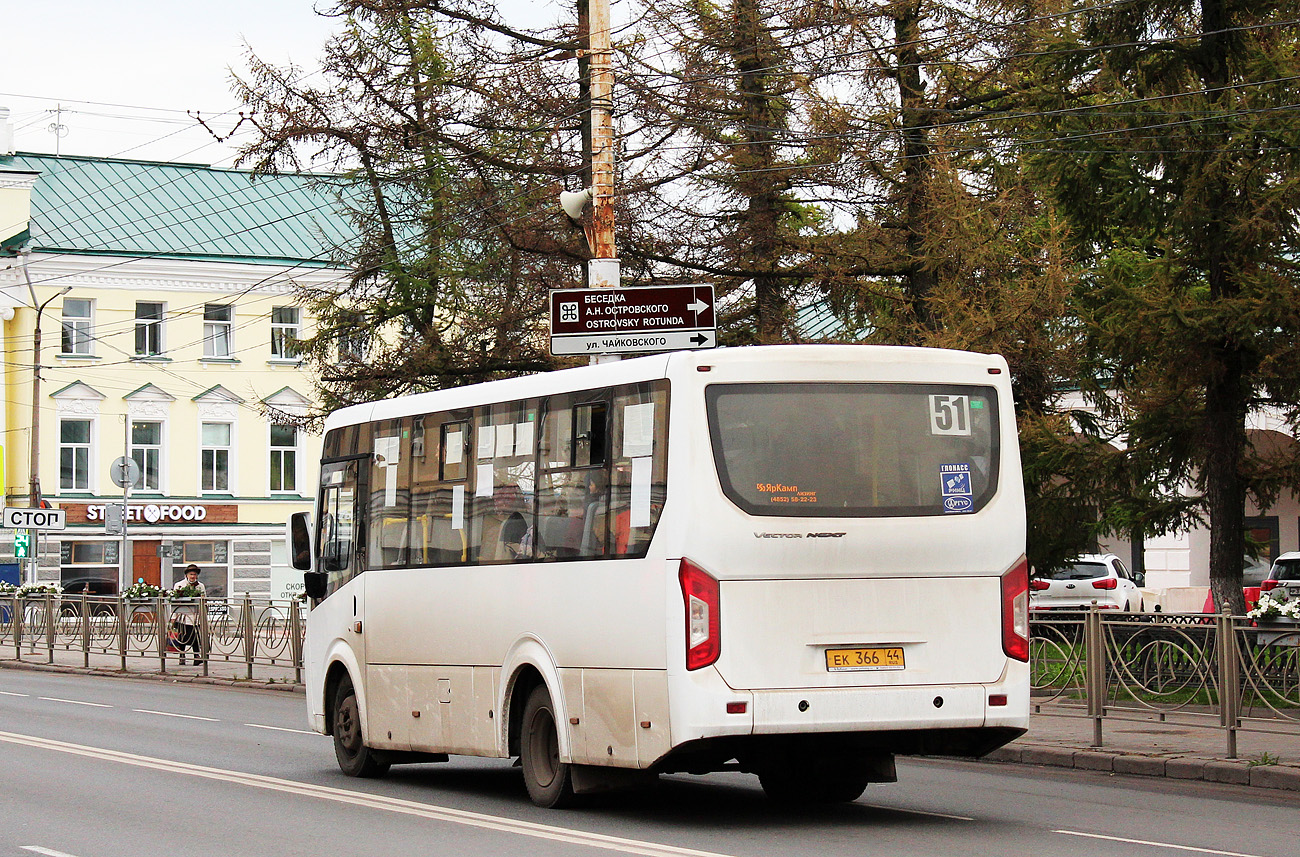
{"x": 1283, "y": 581}
{"x": 1100, "y": 578}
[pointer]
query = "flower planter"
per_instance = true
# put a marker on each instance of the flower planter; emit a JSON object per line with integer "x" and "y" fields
{"x": 142, "y": 610}
{"x": 1278, "y": 632}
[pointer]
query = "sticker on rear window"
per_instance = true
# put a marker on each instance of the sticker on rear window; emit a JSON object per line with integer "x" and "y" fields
{"x": 955, "y": 484}
{"x": 950, "y": 415}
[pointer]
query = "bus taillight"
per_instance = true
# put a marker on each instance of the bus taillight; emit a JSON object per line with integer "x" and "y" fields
{"x": 1015, "y": 611}
{"x": 703, "y": 623}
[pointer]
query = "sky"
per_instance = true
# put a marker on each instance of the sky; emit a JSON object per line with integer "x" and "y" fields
{"x": 119, "y": 75}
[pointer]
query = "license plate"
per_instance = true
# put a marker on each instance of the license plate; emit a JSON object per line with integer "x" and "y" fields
{"x": 874, "y": 658}
{"x": 1293, "y": 590}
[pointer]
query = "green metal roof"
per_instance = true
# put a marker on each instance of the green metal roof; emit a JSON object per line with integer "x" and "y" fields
{"x": 140, "y": 208}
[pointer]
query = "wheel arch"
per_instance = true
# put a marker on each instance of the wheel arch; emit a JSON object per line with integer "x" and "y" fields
{"x": 340, "y": 667}
{"x": 529, "y": 665}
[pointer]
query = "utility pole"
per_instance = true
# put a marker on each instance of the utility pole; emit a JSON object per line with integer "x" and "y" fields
{"x": 600, "y": 57}
{"x": 125, "y": 561}
{"x": 34, "y": 456}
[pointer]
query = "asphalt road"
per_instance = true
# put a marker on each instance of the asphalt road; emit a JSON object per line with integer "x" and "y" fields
{"x": 95, "y": 767}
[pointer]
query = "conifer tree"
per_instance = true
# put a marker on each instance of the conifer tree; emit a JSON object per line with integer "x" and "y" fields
{"x": 1171, "y": 139}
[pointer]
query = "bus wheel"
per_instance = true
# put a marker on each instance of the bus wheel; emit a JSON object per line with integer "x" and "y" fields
{"x": 797, "y": 785}
{"x": 546, "y": 777}
{"x": 355, "y": 758}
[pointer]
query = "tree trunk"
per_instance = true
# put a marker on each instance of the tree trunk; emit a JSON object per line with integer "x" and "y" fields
{"x": 761, "y": 185}
{"x": 916, "y": 118}
{"x": 1226, "y": 393}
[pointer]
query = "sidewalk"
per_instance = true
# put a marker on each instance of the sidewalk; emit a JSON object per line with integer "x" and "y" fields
{"x": 232, "y": 673}
{"x": 1059, "y": 735}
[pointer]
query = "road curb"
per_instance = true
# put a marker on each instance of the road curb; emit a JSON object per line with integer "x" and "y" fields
{"x": 1242, "y": 773}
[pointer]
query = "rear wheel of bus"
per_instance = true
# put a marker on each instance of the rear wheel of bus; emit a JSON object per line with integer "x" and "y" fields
{"x": 547, "y": 778}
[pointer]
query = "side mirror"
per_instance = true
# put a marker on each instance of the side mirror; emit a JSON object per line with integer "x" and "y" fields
{"x": 298, "y": 537}
{"x": 314, "y": 583}
{"x": 1140, "y": 578}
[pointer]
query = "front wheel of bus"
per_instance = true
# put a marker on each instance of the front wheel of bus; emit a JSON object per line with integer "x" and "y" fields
{"x": 546, "y": 777}
{"x": 355, "y": 758}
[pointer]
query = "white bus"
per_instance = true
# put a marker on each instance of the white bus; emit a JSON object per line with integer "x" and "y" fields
{"x": 796, "y": 561}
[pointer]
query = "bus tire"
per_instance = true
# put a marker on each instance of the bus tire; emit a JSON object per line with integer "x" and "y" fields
{"x": 355, "y": 758}
{"x": 548, "y": 779}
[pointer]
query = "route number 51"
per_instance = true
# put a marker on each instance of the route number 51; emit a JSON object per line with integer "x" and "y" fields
{"x": 950, "y": 415}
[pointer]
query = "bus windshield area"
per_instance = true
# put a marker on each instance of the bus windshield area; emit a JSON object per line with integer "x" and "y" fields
{"x": 855, "y": 449}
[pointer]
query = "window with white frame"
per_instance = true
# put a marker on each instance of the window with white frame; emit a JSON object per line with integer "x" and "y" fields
{"x": 77, "y": 325}
{"x": 216, "y": 330}
{"x": 284, "y": 332}
{"x": 214, "y": 457}
{"x": 146, "y": 450}
{"x": 284, "y": 458}
{"x": 148, "y": 328}
{"x": 353, "y": 338}
{"x": 74, "y": 455}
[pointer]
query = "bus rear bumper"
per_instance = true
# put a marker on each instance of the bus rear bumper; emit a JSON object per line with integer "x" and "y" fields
{"x": 967, "y": 720}
{"x": 784, "y": 712}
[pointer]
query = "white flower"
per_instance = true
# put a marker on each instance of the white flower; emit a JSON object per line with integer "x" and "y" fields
{"x": 48, "y": 587}
{"x": 1269, "y": 607}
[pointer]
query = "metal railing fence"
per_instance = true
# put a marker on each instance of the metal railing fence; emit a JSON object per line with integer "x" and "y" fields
{"x": 1215, "y": 671}
{"x": 246, "y": 630}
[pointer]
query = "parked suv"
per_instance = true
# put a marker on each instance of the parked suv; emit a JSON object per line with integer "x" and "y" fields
{"x": 1102, "y": 578}
{"x": 1283, "y": 581}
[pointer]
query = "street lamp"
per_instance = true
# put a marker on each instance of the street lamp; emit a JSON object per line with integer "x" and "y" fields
{"x": 34, "y": 481}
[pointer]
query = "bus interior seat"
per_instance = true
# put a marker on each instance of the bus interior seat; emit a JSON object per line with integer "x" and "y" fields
{"x": 559, "y": 535}
{"x": 392, "y": 541}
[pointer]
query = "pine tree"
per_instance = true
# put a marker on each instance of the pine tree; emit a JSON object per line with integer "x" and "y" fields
{"x": 1170, "y": 136}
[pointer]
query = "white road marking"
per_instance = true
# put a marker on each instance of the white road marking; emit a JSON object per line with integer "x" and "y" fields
{"x": 74, "y": 702}
{"x": 282, "y": 729}
{"x": 173, "y": 714}
{"x": 48, "y": 852}
{"x": 1154, "y": 844}
{"x": 381, "y": 802}
{"x": 10, "y": 693}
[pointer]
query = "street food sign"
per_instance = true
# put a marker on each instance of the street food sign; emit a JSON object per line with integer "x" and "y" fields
{"x": 635, "y": 319}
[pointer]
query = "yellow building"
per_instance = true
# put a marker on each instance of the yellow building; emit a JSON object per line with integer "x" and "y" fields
{"x": 165, "y": 295}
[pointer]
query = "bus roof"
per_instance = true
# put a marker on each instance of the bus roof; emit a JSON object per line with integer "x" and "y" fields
{"x": 646, "y": 368}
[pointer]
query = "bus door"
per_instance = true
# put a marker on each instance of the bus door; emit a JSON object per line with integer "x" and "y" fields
{"x": 340, "y": 547}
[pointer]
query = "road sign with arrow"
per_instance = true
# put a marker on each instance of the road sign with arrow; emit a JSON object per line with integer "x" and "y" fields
{"x": 629, "y": 320}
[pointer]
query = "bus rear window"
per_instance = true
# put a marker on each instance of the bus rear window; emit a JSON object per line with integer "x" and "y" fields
{"x": 854, "y": 450}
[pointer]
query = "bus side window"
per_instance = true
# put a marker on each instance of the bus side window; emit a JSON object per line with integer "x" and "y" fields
{"x": 337, "y": 535}
{"x": 334, "y": 554}
{"x": 589, "y": 434}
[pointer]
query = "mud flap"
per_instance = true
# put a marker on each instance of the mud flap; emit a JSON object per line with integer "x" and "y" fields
{"x": 593, "y": 779}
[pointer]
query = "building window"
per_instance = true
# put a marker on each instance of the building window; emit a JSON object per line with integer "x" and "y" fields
{"x": 146, "y": 450}
{"x": 88, "y": 568}
{"x": 284, "y": 332}
{"x": 213, "y": 560}
{"x": 216, "y": 330}
{"x": 74, "y": 455}
{"x": 215, "y": 457}
{"x": 353, "y": 338}
{"x": 77, "y": 326}
{"x": 284, "y": 458}
{"x": 148, "y": 328}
